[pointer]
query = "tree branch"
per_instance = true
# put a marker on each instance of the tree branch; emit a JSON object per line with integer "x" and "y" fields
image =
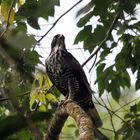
{"x": 58, "y": 20}
{"x": 113, "y": 113}
{"x": 56, "y": 125}
{"x": 24, "y": 94}
{"x": 69, "y": 107}
{"x": 126, "y": 104}
{"x": 106, "y": 37}
{"x": 8, "y": 18}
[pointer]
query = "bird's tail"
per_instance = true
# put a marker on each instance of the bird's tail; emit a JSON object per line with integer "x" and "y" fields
{"x": 98, "y": 134}
{"x": 97, "y": 122}
{"x": 92, "y": 112}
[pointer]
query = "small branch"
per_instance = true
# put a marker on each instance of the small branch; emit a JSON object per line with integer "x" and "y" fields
{"x": 24, "y": 94}
{"x": 119, "y": 133}
{"x": 58, "y": 20}
{"x": 111, "y": 115}
{"x": 126, "y": 104}
{"x": 9, "y": 14}
{"x": 83, "y": 122}
{"x": 93, "y": 62}
{"x": 111, "y": 111}
{"x": 106, "y": 37}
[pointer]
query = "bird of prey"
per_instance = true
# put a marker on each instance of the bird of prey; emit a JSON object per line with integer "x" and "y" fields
{"x": 64, "y": 70}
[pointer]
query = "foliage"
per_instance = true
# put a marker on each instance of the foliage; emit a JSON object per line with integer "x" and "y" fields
{"x": 25, "y": 90}
{"x": 131, "y": 128}
{"x": 118, "y": 17}
{"x": 17, "y": 50}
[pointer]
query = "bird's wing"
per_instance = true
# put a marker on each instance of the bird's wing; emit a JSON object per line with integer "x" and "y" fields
{"x": 77, "y": 69}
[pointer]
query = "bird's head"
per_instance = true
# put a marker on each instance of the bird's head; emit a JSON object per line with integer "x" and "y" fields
{"x": 58, "y": 42}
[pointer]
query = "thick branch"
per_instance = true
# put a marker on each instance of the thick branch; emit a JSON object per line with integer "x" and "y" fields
{"x": 69, "y": 107}
{"x": 56, "y": 125}
{"x": 82, "y": 120}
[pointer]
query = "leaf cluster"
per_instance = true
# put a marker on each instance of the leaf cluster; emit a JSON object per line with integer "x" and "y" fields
{"x": 18, "y": 63}
{"x": 106, "y": 27}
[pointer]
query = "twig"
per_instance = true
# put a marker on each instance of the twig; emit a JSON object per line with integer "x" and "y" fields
{"x": 111, "y": 111}
{"x": 9, "y": 14}
{"x": 111, "y": 116}
{"x": 106, "y": 37}
{"x": 111, "y": 131}
{"x": 126, "y": 104}
{"x": 93, "y": 62}
{"x": 97, "y": 102}
{"x": 24, "y": 94}
{"x": 57, "y": 21}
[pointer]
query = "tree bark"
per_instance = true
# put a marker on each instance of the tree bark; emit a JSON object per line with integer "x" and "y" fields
{"x": 70, "y": 108}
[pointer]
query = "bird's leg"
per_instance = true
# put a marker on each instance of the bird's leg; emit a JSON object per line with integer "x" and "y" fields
{"x": 71, "y": 90}
{"x": 70, "y": 94}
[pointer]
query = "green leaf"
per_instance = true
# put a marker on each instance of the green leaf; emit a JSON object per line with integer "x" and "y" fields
{"x": 41, "y": 98}
{"x": 137, "y": 52}
{"x": 134, "y": 109}
{"x": 46, "y": 8}
{"x": 126, "y": 78}
{"x": 21, "y": 27}
{"x": 124, "y": 59}
{"x": 128, "y": 116}
{"x": 100, "y": 68}
{"x": 21, "y": 40}
{"x": 34, "y": 96}
{"x": 31, "y": 58}
{"x": 42, "y": 108}
{"x": 85, "y": 19}
{"x": 104, "y": 53}
{"x": 123, "y": 79}
{"x": 115, "y": 90}
{"x": 85, "y": 9}
{"x": 137, "y": 125}
{"x": 34, "y": 9}
{"x": 100, "y": 75}
{"x": 51, "y": 97}
{"x": 99, "y": 34}
{"x": 83, "y": 34}
{"x": 137, "y": 85}
{"x": 138, "y": 106}
{"x": 128, "y": 6}
{"x": 101, "y": 8}
{"x": 33, "y": 22}
{"x": 5, "y": 6}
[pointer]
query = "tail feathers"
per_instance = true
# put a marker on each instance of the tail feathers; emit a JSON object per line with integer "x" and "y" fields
{"x": 92, "y": 112}
{"x": 100, "y": 135}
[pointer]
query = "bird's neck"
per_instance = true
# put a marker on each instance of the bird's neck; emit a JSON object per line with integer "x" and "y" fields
{"x": 58, "y": 48}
